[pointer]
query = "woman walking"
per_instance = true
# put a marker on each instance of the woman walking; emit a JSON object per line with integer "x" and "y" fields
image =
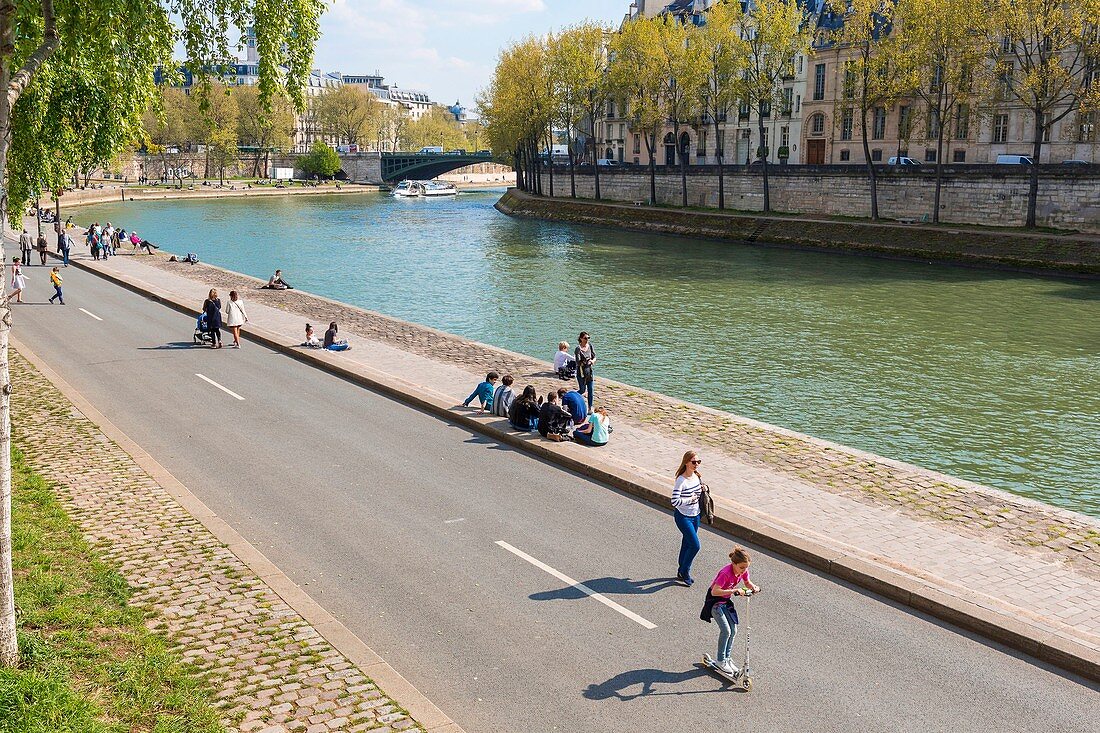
{"x": 212, "y": 307}
{"x": 235, "y": 317}
{"x": 18, "y": 280}
{"x": 585, "y": 357}
{"x": 685, "y": 502}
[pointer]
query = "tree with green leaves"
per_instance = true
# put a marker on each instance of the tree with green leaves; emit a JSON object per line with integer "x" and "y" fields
{"x": 75, "y": 78}
{"x": 321, "y": 161}
{"x": 680, "y": 61}
{"x": 349, "y": 114}
{"x": 636, "y": 76}
{"x": 775, "y": 32}
{"x": 437, "y": 126}
{"x": 217, "y": 127}
{"x": 1046, "y": 54}
{"x": 267, "y": 127}
{"x": 170, "y": 129}
{"x": 724, "y": 57}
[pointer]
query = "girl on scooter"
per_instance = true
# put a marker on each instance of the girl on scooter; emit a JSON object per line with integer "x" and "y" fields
{"x": 719, "y": 607}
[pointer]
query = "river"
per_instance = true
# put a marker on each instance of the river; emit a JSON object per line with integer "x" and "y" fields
{"x": 986, "y": 375}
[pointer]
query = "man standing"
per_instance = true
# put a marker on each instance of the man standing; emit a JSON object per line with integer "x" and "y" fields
{"x": 42, "y": 246}
{"x": 63, "y": 244}
{"x": 26, "y": 244}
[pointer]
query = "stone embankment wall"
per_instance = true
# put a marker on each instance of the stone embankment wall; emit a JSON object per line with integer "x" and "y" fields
{"x": 1069, "y": 196}
{"x": 1041, "y": 252}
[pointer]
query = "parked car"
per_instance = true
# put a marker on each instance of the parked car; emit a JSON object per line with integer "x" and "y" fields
{"x": 1076, "y": 162}
{"x": 432, "y": 149}
{"x": 1014, "y": 160}
{"x": 608, "y": 163}
{"x": 902, "y": 160}
{"x": 456, "y": 151}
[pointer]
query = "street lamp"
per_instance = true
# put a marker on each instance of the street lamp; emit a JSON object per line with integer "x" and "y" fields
{"x": 441, "y": 141}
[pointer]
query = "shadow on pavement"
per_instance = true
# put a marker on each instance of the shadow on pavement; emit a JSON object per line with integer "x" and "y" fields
{"x": 607, "y": 586}
{"x": 646, "y": 680}
{"x": 172, "y": 345}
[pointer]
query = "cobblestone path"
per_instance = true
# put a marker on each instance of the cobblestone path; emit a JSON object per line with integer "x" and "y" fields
{"x": 925, "y": 495}
{"x": 271, "y": 671}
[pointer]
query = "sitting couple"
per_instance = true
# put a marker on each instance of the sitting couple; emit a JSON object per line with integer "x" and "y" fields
{"x": 331, "y": 343}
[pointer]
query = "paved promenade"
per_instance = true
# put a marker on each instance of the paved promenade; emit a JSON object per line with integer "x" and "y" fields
{"x": 271, "y": 670}
{"x": 1017, "y": 558}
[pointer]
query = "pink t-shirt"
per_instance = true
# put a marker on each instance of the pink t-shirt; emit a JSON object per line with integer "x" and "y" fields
{"x": 728, "y": 578}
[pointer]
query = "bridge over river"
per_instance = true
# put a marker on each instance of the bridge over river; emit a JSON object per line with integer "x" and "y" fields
{"x": 391, "y": 168}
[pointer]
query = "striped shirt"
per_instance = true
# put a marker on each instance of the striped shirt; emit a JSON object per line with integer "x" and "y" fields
{"x": 685, "y": 495}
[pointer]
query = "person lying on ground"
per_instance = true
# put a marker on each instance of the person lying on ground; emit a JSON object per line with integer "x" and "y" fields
{"x": 276, "y": 282}
{"x": 331, "y": 342}
{"x": 524, "y": 412}
{"x": 148, "y": 246}
{"x": 555, "y": 422}
{"x": 484, "y": 392}
{"x": 596, "y": 431}
{"x": 564, "y": 364}
{"x": 503, "y": 397}
{"x": 573, "y": 401}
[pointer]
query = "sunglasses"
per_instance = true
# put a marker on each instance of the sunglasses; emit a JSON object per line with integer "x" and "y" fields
{"x": 697, "y": 461}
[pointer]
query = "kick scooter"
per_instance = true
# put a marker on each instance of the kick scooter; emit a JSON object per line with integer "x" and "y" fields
{"x": 743, "y": 678}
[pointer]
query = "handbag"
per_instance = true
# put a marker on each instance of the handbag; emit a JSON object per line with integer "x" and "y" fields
{"x": 706, "y": 504}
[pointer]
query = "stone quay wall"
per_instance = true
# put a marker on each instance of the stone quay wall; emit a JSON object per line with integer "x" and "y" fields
{"x": 1069, "y": 196}
{"x": 1042, "y": 252}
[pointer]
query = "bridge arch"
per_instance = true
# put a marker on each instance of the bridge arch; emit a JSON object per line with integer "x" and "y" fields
{"x": 397, "y": 167}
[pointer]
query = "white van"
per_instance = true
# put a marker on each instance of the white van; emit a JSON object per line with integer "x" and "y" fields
{"x": 902, "y": 161}
{"x": 1014, "y": 160}
{"x": 432, "y": 149}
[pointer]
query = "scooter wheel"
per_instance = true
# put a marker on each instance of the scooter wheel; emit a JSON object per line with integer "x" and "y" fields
{"x": 746, "y": 684}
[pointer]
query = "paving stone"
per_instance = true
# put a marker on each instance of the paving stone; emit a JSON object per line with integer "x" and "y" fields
{"x": 187, "y": 579}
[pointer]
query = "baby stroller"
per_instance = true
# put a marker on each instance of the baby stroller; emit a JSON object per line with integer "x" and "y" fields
{"x": 202, "y": 332}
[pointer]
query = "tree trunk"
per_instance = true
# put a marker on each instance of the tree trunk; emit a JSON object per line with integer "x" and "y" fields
{"x": 871, "y": 173}
{"x": 1033, "y": 174}
{"x": 595, "y": 169}
{"x": 683, "y": 165}
{"x": 9, "y": 644}
{"x": 719, "y": 154}
{"x": 650, "y": 146}
{"x": 764, "y": 160}
{"x": 572, "y": 172}
{"x": 939, "y": 171}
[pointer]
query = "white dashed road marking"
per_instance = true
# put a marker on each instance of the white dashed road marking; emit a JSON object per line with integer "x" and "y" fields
{"x": 229, "y": 392}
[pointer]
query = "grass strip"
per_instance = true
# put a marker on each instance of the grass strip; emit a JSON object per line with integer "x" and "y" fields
{"x": 89, "y": 664}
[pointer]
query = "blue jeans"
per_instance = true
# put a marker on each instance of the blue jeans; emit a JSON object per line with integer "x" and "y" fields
{"x": 65, "y": 257}
{"x": 727, "y": 629}
{"x": 689, "y": 547}
{"x": 584, "y": 383}
{"x": 57, "y": 294}
{"x": 585, "y": 439}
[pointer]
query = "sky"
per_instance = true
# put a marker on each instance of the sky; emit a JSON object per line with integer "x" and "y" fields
{"x": 447, "y": 48}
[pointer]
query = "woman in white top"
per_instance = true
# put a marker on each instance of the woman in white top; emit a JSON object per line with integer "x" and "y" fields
{"x": 18, "y": 280}
{"x": 235, "y": 317}
{"x": 685, "y": 502}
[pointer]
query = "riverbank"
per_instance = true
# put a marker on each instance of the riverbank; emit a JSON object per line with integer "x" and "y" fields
{"x": 944, "y": 546}
{"x": 1037, "y": 252}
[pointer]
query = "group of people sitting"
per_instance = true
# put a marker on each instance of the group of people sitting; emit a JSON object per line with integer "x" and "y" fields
{"x": 331, "y": 341}
{"x": 563, "y": 415}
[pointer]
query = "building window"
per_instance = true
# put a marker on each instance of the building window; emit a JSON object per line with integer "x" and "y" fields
{"x": 929, "y": 155}
{"x": 845, "y": 155}
{"x": 1000, "y": 128}
{"x": 701, "y": 144}
{"x": 876, "y": 155}
{"x": 788, "y": 101}
{"x": 958, "y": 156}
{"x": 933, "y": 123}
{"x": 905, "y": 122}
{"x": 846, "y": 124}
{"x": 1047, "y": 124}
{"x": 720, "y": 148}
{"x": 765, "y": 108}
{"x": 878, "y": 127}
{"x": 817, "y": 124}
{"x": 637, "y": 143}
{"x": 785, "y": 137}
{"x": 849, "y": 81}
{"x": 937, "y": 79}
{"x": 819, "y": 81}
{"x": 800, "y": 59}
{"x": 962, "y": 123}
{"x": 610, "y": 108}
{"x": 622, "y": 132}
{"x": 797, "y": 103}
{"x": 1086, "y": 127}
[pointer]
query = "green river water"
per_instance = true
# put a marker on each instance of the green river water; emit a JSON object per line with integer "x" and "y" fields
{"x": 986, "y": 375}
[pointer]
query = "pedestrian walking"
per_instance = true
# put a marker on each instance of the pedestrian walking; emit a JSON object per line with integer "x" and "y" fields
{"x": 719, "y": 607}
{"x": 64, "y": 242}
{"x": 685, "y": 502}
{"x": 42, "y": 246}
{"x": 26, "y": 245}
{"x": 235, "y": 317}
{"x": 18, "y": 280}
{"x": 585, "y": 356}
{"x": 55, "y": 280}
{"x": 212, "y": 307}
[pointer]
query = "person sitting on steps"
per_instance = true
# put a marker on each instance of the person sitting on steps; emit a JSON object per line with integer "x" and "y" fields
{"x": 564, "y": 363}
{"x": 331, "y": 342}
{"x": 596, "y": 431}
{"x": 503, "y": 397}
{"x": 555, "y": 422}
{"x": 277, "y": 283}
{"x": 524, "y": 412}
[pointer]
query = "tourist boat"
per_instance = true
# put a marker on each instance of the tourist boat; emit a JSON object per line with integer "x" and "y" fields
{"x": 424, "y": 189}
